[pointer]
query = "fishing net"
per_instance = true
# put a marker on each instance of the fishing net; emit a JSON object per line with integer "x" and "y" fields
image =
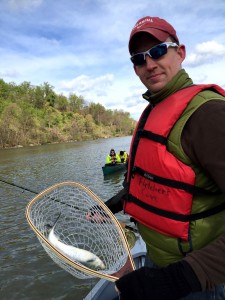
{"x": 84, "y": 222}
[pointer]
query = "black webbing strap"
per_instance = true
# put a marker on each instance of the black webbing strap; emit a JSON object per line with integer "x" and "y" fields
{"x": 197, "y": 191}
{"x": 152, "y": 136}
{"x": 175, "y": 216}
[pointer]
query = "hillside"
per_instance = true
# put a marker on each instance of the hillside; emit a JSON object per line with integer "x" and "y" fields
{"x": 36, "y": 115}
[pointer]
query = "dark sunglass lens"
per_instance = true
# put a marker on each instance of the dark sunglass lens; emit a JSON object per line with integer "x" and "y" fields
{"x": 158, "y": 51}
{"x": 138, "y": 59}
{"x": 155, "y": 52}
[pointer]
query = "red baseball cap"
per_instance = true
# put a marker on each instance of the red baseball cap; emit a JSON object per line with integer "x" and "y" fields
{"x": 159, "y": 28}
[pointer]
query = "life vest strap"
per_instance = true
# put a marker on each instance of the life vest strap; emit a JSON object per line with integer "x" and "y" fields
{"x": 192, "y": 189}
{"x": 175, "y": 216}
{"x": 152, "y": 136}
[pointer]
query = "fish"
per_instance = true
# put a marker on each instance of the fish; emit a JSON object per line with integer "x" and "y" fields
{"x": 82, "y": 256}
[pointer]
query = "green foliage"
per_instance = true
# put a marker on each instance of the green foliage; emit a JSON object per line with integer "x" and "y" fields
{"x": 37, "y": 115}
{"x": 76, "y": 103}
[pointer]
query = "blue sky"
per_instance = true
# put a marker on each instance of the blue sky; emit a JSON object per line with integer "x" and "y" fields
{"x": 80, "y": 46}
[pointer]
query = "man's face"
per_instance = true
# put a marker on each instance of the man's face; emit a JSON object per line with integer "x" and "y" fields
{"x": 156, "y": 73}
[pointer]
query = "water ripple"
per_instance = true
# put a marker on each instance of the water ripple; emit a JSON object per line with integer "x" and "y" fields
{"x": 26, "y": 271}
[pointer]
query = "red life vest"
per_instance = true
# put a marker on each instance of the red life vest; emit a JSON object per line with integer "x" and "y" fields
{"x": 161, "y": 187}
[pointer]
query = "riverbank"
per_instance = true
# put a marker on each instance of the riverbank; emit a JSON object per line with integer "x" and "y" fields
{"x": 59, "y": 142}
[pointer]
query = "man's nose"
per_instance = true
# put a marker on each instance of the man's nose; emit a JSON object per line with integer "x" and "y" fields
{"x": 150, "y": 62}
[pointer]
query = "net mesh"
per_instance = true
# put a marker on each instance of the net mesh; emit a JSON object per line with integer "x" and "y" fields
{"x": 101, "y": 235}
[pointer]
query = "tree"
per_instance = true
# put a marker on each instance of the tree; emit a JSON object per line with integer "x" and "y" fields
{"x": 77, "y": 127}
{"x": 97, "y": 111}
{"x": 9, "y": 125}
{"x": 6, "y": 89}
{"x": 39, "y": 99}
{"x": 36, "y": 114}
{"x": 61, "y": 103}
{"x": 49, "y": 94}
{"x": 90, "y": 124}
{"x": 76, "y": 103}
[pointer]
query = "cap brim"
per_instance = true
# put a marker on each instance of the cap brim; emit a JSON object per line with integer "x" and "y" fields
{"x": 156, "y": 33}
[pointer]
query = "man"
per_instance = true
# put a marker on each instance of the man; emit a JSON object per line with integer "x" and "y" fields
{"x": 122, "y": 156}
{"x": 175, "y": 186}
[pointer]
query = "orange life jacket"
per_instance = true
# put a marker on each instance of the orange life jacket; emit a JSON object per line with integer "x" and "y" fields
{"x": 161, "y": 187}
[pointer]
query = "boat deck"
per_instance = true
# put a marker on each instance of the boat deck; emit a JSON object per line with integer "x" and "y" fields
{"x": 105, "y": 290}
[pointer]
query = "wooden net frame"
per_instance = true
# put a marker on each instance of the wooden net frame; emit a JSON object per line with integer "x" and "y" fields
{"x": 104, "y": 237}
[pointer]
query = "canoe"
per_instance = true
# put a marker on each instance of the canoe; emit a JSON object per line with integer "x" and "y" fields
{"x": 109, "y": 169}
{"x": 105, "y": 289}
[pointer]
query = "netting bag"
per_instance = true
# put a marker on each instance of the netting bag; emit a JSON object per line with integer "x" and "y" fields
{"x": 80, "y": 223}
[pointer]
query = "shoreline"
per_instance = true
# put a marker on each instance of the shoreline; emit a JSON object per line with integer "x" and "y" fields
{"x": 60, "y": 142}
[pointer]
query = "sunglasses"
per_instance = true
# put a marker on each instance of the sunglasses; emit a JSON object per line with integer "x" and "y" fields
{"x": 155, "y": 53}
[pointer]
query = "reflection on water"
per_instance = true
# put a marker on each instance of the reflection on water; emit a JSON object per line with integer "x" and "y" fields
{"x": 26, "y": 271}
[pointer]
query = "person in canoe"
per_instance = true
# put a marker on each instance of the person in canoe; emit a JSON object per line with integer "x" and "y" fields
{"x": 122, "y": 155}
{"x": 112, "y": 158}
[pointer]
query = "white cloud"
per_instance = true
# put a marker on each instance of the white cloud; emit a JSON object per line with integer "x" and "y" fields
{"x": 81, "y": 46}
{"x": 9, "y": 73}
{"x": 84, "y": 84}
{"x": 206, "y": 53}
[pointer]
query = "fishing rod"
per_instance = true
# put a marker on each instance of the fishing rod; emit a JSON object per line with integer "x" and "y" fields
{"x": 19, "y": 186}
{"x": 36, "y": 193}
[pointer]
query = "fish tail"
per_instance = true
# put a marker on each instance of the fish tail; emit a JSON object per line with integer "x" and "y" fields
{"x": 57, "y": 219}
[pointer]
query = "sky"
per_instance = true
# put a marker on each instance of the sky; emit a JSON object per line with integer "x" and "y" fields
{"x": 81, "y": 46}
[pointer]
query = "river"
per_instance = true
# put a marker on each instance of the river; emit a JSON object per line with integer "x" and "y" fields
{"x": 26, "y": 271}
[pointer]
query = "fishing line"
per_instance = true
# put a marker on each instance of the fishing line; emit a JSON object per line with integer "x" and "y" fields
{"x": 19, "y": 186}
{"x": 36, "y": 193}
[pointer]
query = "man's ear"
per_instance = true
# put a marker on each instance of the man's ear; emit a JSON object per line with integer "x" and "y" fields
{"x": 181, "y": 52}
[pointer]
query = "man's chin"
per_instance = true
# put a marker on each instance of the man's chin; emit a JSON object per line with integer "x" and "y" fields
{"x": 156, "y": 87}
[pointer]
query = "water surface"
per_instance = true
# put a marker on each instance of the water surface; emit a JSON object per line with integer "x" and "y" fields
{"x": 26, "y": 271}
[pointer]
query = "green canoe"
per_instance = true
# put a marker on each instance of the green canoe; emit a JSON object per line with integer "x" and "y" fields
{"x": 109, "y": 169}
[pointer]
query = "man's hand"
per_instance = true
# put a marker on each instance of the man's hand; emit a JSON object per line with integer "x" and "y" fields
{"x": 173, "y": 282}
{"x": 97, "y": 215}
